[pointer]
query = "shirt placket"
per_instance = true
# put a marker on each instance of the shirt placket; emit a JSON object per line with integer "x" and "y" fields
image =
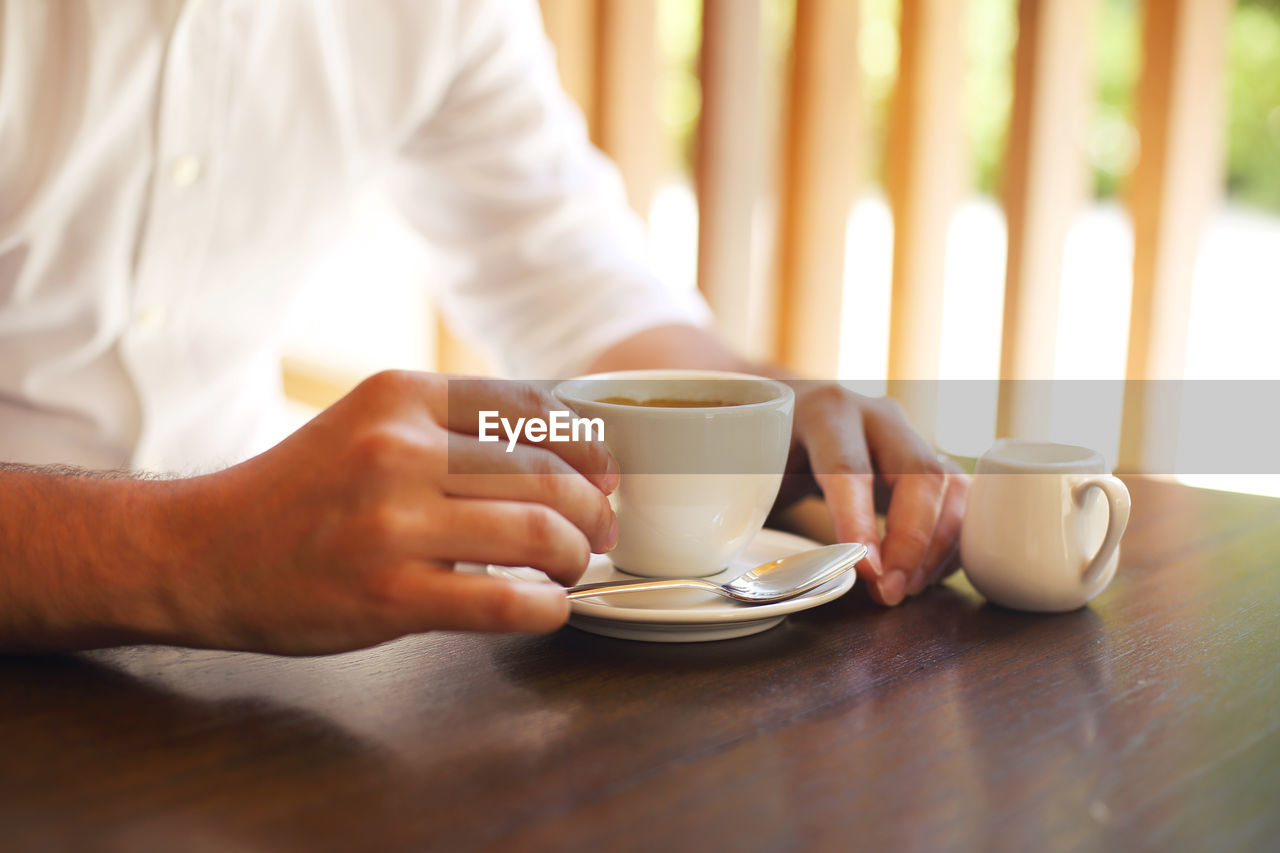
{"x": 172, "y": 253}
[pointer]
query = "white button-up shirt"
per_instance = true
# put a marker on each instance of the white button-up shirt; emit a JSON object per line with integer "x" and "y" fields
{"x": 169, "y": 170}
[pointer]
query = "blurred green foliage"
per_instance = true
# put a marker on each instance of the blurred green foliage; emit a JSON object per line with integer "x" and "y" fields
{"x": 1253, "y": 80}
{"x": 1112, "y": 144}
{"x": 1253, "y": 143}
{"x": 679, "y": 93}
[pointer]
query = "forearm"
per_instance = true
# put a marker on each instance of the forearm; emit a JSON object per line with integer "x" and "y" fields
{"x": 83, "y": 559}
{"x": 687, "y": 347}
{"x": 673, "y": 347}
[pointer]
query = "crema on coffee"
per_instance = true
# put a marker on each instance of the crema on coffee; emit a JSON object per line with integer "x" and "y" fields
{"x": 665, "y": 402}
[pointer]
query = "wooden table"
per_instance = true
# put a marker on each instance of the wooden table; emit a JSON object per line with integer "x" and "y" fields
{"x": 1149, "y": 720}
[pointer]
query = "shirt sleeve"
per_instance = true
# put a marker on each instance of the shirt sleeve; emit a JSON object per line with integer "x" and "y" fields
{"x": 551, "y": 266}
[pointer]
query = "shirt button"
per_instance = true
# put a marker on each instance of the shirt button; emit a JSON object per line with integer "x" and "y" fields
{"x": 185, "y": 170}
{"x": 152, "y": 318}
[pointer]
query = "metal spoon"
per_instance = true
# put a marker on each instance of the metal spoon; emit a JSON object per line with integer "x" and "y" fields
{"x": 774, "y": 581}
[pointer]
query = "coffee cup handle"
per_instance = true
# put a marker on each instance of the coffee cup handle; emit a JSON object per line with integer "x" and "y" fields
{"x": 1117, "y": 519}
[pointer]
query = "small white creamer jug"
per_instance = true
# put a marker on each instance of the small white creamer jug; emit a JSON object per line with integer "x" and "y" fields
{"x": 1042, "y": 525}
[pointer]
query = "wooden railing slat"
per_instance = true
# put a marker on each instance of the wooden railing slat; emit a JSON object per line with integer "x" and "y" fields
{"x": 1045, "y": 180}
{"x": 573, "y": 27}
{"x": 456, "y": 356}
{"x": 626, "y": 124}
{"x": 1174, "y": 187}
{"x": 926, "y": 178}
{"x": 727, "y": 168}
{"x": 820, "y": 173}
{"x": 315, "y": 385}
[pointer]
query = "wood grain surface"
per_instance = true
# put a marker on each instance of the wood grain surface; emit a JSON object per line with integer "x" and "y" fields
{"x": 1150, "y": 720}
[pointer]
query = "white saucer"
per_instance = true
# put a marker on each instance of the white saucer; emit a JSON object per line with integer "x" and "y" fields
{"x": 689, "y": 615}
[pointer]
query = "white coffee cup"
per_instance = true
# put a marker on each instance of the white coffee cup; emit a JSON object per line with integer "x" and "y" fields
{"x": 697, "y": 482}
{"x": 1042, "y": 525}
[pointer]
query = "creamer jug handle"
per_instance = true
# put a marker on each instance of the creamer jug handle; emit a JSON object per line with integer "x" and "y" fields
{"x": 1117, "y": 519}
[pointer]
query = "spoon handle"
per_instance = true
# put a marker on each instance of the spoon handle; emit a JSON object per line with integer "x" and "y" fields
{"x": 586, "y": 590}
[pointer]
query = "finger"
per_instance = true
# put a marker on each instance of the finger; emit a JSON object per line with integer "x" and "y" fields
{"x": 531, "y": 474}
{"x": 849, "y": 500}
{"x": 432, "y": 599}
{"x": 461, "y": 406}
{"x": 910, "y": 524}
{"x": 944, "y": 550}
{"x": 838, "y": 455}
{"x": 507, "y": 533}
{"x": 896, "y": 448}
{"x": 910, "y": 467}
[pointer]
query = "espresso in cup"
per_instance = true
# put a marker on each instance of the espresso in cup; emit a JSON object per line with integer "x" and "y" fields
{"x": 701, "y": 454}
{"x": 665, "y": 402}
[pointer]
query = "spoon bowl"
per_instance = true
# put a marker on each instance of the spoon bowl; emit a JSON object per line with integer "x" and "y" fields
{"x": 776, "y": 580}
